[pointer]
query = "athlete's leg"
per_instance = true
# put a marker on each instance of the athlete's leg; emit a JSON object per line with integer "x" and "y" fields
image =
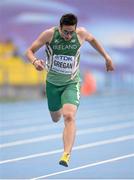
{"x": 69, "y": 112}
{"x": 70, "y": 101}
{"x": 54, "y": 101}
{"x": 56, "y": 115}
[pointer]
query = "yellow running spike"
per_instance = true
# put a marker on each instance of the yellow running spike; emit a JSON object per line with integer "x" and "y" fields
{"x": 64, "y": 159}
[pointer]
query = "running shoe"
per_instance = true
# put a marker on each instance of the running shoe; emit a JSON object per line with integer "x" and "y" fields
{"x": 64, "y": 159}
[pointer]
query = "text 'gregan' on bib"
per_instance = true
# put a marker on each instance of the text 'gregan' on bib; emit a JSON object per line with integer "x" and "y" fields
{"x": 63, "y": 64}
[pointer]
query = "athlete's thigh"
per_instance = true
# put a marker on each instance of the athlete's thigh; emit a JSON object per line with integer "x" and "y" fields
{"x": 53, "y": 97}
{"x": 71, "y": 94}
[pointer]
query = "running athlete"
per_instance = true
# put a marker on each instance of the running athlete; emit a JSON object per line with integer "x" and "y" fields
{"x": 63, "y": 80}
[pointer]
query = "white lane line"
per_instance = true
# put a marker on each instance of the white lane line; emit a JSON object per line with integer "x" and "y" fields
{"x": 83, "y": 146}
{"x": 86, "y": 166}
{"x": 9, "y": 124}
{"x": 21, "y": 123}
{"x": 24, "y": 121}
{"x": 38, "y": 128}
{"x": 30, "y": 129}
{"x": 59, "y": 135}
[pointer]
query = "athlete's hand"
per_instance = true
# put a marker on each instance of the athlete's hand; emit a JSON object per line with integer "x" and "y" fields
{"x": 39, "y": 64}
{"x": 109, "y": 64}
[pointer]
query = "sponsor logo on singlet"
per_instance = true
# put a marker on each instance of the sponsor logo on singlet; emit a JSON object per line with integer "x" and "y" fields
{"x": 63, "y": 64}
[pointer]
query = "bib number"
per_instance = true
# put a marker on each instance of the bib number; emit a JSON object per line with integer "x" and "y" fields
{"x": 63, "y": 64}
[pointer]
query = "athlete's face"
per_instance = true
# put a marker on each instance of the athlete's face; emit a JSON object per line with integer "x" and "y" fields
{"x": 67, "y": 32}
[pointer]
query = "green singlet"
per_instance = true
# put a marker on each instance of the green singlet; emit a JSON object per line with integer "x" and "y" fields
{"x": 63, "y": 78}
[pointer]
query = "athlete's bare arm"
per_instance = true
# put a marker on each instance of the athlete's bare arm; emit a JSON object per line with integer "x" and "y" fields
{"x": 84, "y": 35}
{"x": 43, "y": 38}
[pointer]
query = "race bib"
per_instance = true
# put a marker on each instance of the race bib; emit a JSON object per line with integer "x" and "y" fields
{"x": 63, "y": 64}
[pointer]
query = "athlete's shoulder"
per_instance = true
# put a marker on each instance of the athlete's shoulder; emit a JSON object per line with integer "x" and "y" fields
{"x": 49, "y": 31}
{"x": 83, "y": 33}
{"x": 48, "y": 34}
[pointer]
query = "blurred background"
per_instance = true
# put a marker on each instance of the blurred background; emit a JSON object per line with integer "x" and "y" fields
{"x": 105, "y": 129}
{"x": 110, "y": 21}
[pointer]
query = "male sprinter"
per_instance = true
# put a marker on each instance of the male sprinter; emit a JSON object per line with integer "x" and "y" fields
{"x": 63, "y": 80}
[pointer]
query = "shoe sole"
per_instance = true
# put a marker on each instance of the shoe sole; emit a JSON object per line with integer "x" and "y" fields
{"x": 63, "y": 163}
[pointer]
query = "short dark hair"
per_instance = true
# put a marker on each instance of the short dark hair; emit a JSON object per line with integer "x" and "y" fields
{"x": 68, "y": 19}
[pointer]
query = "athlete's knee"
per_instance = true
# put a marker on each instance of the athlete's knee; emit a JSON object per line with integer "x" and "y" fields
{"x": 68, "y": 116}
{"x": 55, "y": 116}
{"x": 56, "y": 119}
